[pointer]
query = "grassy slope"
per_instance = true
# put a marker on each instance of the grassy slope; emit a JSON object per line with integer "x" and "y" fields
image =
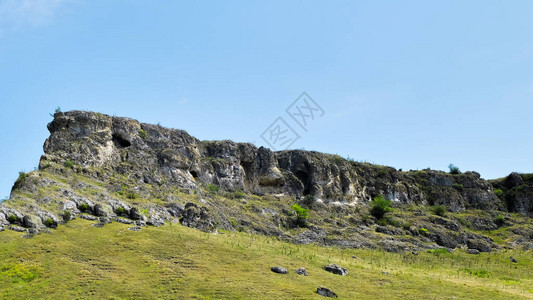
{"x": 81, "y": 261}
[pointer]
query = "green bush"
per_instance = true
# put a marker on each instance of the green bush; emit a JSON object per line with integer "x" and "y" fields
{"x": 439, "y": 210}
{"x": 499, "y": 220}
{"x": 479, "y": 273}
{"x": 68, "y": 163}
{"x": 439, "y": 251}
{"x": 407, "y": 225}
{"x": 380, "y": 206}
{"x": 458, "y": 187}
{"x": 84, "y": 207}
{"x": 498, "y": 193}
{"x": 66, "y": 216}
{"x": 12, "y": 219}
{"x": 387, "y": 220}
{"x": 131, "y": 195}
{"x": 233, "y": 222}
{"x": 238, "y": 194}
{"x": 22, "y": 177}
{"x": 423, "y": 231}
{"x": 301, "y": 215}
{"x": 50, "y": 223}
{"x": 143, "y": 134}
{"x": 120, "y": 211}
{"x": 212, "y": 188}
{"x": 454, "y": 169}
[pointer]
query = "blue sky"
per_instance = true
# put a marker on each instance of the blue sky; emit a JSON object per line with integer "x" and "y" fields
{"x": 410, "y": 84}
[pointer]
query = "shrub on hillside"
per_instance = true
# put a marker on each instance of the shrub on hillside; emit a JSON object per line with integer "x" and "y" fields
{"x": 66, "y": 216}
{"x": 380, "y": 206}
{"x": 143, "y": 134}
{"x": 84, "y": 207}
{"x": 498, "y": 193}
{"x": 454, "y": 169}
{"x": 439, "y": 210}
{"x": 301, "y": 215}
{"x": 68, "y": 163}
{"x": 212, "y": 188}
{"x": 499, "y": 220}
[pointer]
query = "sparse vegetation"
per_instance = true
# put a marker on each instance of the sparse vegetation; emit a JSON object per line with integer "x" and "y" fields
{"x": 458, "y": 187}
{"x": 57, "y": 110}
{"x": 66, "y": 215}
{"x": 131, "y": 195}
{"x": 479, "y": 273}
{"x": 379, "y": 206}
{"x": 120, "y": 211}
{"x": 50, "y": 223}
{"x": 439, "y": 210}
{"x": 454, "y": 169}
{"x": 499, "y": 220}
{"x": 84, "y": 207}
{"x": 423, "y": 231}
{"x": 439, "y": 251}
{"x": 238, "y": 194}
{"x": 143, "y": 134}
{"x": 233, "y": 222}
{"x": 12, "y": 219}
{"x": 212, "y": 188}
{"x": 499, "y": 193}
{"x": 20, "y": 180}
{"x": 68, "y": 163}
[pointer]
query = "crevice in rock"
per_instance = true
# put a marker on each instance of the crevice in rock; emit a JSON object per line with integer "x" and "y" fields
{"x": 120, "y": 142}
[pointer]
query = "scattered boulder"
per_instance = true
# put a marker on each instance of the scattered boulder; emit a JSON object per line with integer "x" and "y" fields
{"x": 16, "y": 228}
{"x": 322, "y": 291}
{"x": 279, "y": 270}
{"x": 135, "y": 228}
{"x": 336, "y": 269}
{"x": 479, "y": 244}
{"x": 124, "y": 221}
{"x": 472, "y": 251}
{"x": 87, "y": 217}
{"x": 302, "y": 271}
{"x": 135, "y": 214}
{"x": 155, "y": 220}
{"x": 197, "y": 217}
{"x": 513, "y": 259}
{"x": 103, "y": 210}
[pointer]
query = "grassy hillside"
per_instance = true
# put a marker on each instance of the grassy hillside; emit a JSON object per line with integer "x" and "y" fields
{"x": 81, "y": 261}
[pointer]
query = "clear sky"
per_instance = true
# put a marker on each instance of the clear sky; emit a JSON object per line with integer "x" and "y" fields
{"x": 410, "y": 84}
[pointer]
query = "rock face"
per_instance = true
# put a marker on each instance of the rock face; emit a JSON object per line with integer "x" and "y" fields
{"x": 106, "y": 169}
{"x": 161, "y": 156}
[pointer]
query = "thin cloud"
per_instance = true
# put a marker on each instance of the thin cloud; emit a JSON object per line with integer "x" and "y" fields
{"x": 17, "y": 14}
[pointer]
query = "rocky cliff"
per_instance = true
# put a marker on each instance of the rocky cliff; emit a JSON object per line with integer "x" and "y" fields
{"x": 112, "y": 168}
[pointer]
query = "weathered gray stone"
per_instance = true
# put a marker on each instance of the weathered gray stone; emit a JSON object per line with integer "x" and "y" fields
{"x": 87, "y": 217}
{"x": 322, "y": 291}
{"x": 472, "y": 251}
{"x": 336, "y": 269}
{"x": 302, "y": 271}
{"x": 279, "y": 270}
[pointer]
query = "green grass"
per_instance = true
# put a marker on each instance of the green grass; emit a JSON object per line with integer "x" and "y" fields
{"x": 169, "y": 262}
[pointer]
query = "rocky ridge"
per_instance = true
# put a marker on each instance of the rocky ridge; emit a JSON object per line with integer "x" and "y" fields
{"x": 117, "y": 169}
